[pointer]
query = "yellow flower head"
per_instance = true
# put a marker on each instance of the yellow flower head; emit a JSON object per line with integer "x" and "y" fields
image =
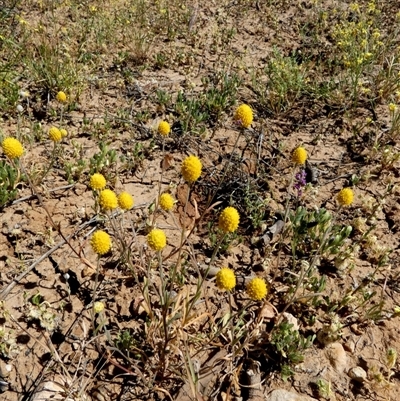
{"x": 61, "y": 97}
{"x": 225, "y": 279}
{"x": 299, "y": 155}
{"x": 12, "y": 148}
{"x": 24, "y": 94}
{"x": 345, "y": 197}
{"x": 244, "y": 114}
{"x": 157, "y": 239}
{"x": 64, "y": 132}
{"x": 55, "y": 134}
{"x": 97, "y": 181}
{"x": 257, "y": 289}
{"x": 392, "y": 107}
{"x": 229, "y": 220}
{"x": 125, "y": 201}
{"x": 101, "y": 242}
{"x": 191, "y": 168}
{"x": 166, "y": 201}
{"x": 164, "y": 128}
{"x": 108, "y": 200}
{"x": 98, "y": 307}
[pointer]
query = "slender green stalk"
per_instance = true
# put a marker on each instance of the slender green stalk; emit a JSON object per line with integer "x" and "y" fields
{"x": 61, "y": 115}
{"x": 159, "y": 182}
{"x": 283, "y": 235}
{"x": 96, "y": 281}
{"x": 304, "y": 272}
{"x": 183, "y": 239}
{"x": 53, "y": 157}
{"x": 211, "y": 198}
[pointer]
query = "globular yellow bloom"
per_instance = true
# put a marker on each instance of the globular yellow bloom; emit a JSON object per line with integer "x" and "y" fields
{"x": 61, "y": 97}
{"x": 24, "y": 94}
{"x": 98, "y": 307}
{"x": 101, "y": 242}
{"x": 257, "y": 289}
{"x": 157, "y": 239}
{"x": 64, "y": 132}
{"x": 125, "y": 201}
{"x": 12, "y": 148}
{"x": 345, "y": 197}
{"x": 108, "y": 200}
{"x": 164, "y": 128}
{"x": 392, "y": 107}
{"x": 55, "y": 134}
{"x": 166, "y": 201}
{"x": 299, "y": 155}
{"x": 191, "y": 168}
{"x": 244, "y": 114}
{"x": 229, "y": 220}
{"x": 225, "y": 279}
{"x": 97, "y": 181}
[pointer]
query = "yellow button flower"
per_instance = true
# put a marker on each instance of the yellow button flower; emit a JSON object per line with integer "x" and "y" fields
{"x": 98, "y": 307}
{"x": 61, "y": 97}
{"x": 64, "y": 132}
{"x": 229, "y": 220}
{"x": 191, "y": 168}
{"x": 157, "y": 239}
{"x": 257, "y": 289}
{"x": 299, "y": 155}
{"x": 108, "y": 200}
{"x": 345, "y": 197}
{"x": 166, "y": 201}
{"x": 225, "y": 279}
{"x": 125, "y": 201}
{"x": 12, "y": 148}
{"x": 101, "y": 242}
{"x": 244, "y": 114}
{"x": 55, "y": 134}
{"x": 97, "y": 181}
{"x": 164, "y": 128}
{"x": 24, "y": 94}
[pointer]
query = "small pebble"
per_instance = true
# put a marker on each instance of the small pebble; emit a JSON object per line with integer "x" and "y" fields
{"x": 5, "y": 370}
{"x": 283, "y": 395}
{"x": 349, "y": 346}
{"x": 358, "y": 374}
{"x": 337, "y": 356}
{"x": 289, "y": 318}
{"x": 98, "y": 396}
{"x": 354, "y": 328}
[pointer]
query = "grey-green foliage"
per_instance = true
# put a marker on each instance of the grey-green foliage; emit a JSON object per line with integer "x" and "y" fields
{"x": 103, "y": 161}
{"x": 310, "y": 228}
{"x": 9, "y": 178}
{"x": 196, "y": 110}
{"x": 289, "y": 345}
{"x": 280, "y": 83}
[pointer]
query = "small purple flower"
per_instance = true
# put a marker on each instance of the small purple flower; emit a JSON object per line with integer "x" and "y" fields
{"x": 300, "y": 182}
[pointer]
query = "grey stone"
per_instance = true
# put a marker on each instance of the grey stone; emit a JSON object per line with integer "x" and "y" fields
{"x": 284, "y": 395}
{"x": 289, "y": 318}
{"x": 358, "y": 374}
{"x": 337, "y": 356}
{"x": 5, "y": 370}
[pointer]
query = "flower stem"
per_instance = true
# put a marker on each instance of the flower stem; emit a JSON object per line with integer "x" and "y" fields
{"x": 159, "y": 182}
{"x": 53, "y": 157}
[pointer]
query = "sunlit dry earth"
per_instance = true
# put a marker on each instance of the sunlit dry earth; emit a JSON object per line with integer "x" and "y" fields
{"x": 323, "y": 75}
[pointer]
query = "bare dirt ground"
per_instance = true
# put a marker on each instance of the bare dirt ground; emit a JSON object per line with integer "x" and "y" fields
{"x": 49, "y": 345}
